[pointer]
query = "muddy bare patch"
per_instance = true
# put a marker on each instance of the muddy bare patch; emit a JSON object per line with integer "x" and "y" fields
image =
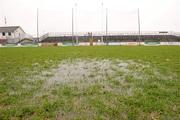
{"x": 89, "y": 71}
{"x": 114, "y": 75}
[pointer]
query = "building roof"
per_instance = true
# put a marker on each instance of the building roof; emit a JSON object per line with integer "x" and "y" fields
{"x": 9, "y": 28}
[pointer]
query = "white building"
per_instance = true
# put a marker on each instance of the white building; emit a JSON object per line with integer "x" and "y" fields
{"x": 11, "y": 34}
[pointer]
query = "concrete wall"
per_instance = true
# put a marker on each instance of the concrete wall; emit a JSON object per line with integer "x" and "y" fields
{"x": 19, "y": 33}
{"x": 170, "y": 43}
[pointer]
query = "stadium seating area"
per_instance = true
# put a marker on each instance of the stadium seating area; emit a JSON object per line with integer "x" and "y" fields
{"x": 114, "y": 38}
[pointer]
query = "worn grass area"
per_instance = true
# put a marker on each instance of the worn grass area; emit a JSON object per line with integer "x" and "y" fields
{"x": 107, "y": 82}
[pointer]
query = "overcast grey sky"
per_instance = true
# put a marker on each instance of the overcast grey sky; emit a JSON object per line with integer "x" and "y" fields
{"x": 55, "y": 15}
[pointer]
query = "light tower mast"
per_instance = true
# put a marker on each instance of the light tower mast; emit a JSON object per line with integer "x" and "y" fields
{"x": 102, "y": 7}
{"x": 37, "y": 25}
{"x": 72, "y": 26}
{"x": 5, "y": 21}
{"x": 107, "y": 42}
{"x": 139, "y": 28}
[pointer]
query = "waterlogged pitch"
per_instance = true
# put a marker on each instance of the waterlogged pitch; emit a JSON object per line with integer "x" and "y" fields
{"x": 107, "y": 82}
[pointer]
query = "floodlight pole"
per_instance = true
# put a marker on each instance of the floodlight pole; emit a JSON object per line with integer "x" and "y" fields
{"x": 102, "y": 22}
{"x": 5, "y": 20}
{"x": 107, "y": 26}
{"x": 37, "y": 24}
{"x": 75, "y": 17}
{"x": 139, "y": 28}
{"x": 72, "y": 26}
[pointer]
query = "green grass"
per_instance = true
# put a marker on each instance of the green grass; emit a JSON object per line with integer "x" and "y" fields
{"x": 22, "y": 96}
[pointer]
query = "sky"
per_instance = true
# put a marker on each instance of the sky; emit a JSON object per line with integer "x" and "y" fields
{"x": 90, "y": 15}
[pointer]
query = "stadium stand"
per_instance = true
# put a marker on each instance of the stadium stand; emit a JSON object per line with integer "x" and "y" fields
{"x": 112, "y": 37}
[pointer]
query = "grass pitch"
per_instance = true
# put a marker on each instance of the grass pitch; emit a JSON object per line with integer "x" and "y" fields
{"x": 107, "y": 82}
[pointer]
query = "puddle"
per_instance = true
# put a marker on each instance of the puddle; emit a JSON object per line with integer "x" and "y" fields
{"x": 116, "y": 76}
{"x": 91, "y": 71}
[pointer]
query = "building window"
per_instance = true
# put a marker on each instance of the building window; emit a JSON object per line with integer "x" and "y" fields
{"x": 9, "y": 33}
{"x": 3, "y": 33}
